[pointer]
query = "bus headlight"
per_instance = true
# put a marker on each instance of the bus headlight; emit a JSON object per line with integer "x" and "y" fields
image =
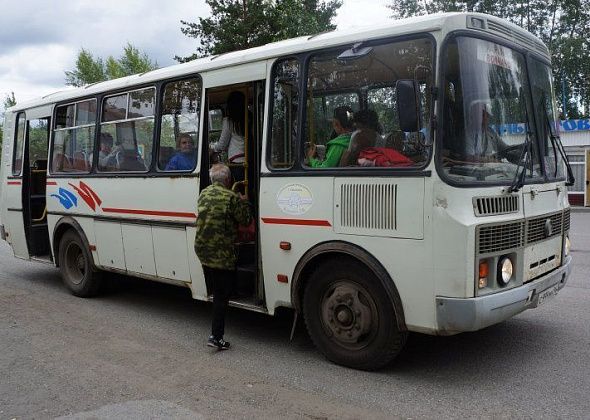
{"x": 568, "y": 245}
{"x": 505, "y": 271}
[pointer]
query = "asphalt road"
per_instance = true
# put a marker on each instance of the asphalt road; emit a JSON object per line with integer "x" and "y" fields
{"x": 138, "y": 351}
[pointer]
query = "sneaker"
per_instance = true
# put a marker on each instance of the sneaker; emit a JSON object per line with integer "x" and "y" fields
{"x": 220, "y": 344}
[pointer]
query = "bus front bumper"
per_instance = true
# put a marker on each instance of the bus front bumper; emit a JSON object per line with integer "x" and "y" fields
{"x": 455, "y": 315}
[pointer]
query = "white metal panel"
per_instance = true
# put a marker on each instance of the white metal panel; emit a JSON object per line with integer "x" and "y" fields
{"x": 237, "y": 74}
{"x": 15, "y": 230}
{"x": 138, "y": 248}
{"x": 109, "y": 244}
{"x": 390, "y": 207}
{"x": 406, "y": 260}
{"x": 170, "y": 251}
{"x": 542, "y": 257}
{"x": 543, "y": 199}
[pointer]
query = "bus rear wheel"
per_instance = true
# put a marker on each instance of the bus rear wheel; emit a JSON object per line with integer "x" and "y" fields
{"x": 75, "y": 266}
{"x": 349, "y": 316}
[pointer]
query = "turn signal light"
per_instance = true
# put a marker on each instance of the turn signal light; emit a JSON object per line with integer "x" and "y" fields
{"x": 484, "y": 270}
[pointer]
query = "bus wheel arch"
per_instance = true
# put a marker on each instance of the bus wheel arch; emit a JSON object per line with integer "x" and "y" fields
{"x": 346, "y": 303}
{"x": 74, "y": 259}
{"x": 61, "y": 227}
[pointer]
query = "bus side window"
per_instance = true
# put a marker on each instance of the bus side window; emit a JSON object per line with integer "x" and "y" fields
{"x": 129, "y": 119}
{"x": 73, "y": 140}
{"x": 285, "y": 108}
{"x": 19, "y": 141}
{"x": 179, "y": 128}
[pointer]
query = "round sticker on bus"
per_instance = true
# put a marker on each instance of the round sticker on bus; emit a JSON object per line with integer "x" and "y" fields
{"x": 294, "y": 199}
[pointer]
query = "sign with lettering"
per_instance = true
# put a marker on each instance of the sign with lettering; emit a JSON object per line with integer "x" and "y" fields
{"x": 564, "y": 126}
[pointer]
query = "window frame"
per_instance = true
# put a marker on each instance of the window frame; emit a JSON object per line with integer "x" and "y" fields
{"x": 438, "y": 141}
{"x": 105, "y": 96}
{"x": 298, "y": 168}
{"x": 158, "y": 127}
{"x": 271, "y": 92}
{"x": 15, "y": 144}
{"x": 54, "y": 130}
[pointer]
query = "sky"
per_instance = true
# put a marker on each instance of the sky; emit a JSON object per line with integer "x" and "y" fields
{"x": 40, "y": 39}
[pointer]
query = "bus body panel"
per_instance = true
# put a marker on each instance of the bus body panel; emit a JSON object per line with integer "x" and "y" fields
{"x": 293, "y": 210}
{"x": 147, "y": 207}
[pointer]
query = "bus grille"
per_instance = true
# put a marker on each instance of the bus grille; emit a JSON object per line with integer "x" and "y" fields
{"x": 500, "y": 237}
{"x": 368, "y": 206}
{"x": 536, "y": 227}
{"x": 487, "y": 206}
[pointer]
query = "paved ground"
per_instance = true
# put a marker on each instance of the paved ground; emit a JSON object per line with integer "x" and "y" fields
{"x": 138, "y": 352}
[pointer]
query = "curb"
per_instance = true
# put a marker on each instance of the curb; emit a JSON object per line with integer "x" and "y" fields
{"x": 580, "y": 209}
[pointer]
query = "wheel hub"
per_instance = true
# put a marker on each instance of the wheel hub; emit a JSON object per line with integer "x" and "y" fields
{"x": 75, "y": 263}
{"x": 346, "y": 313}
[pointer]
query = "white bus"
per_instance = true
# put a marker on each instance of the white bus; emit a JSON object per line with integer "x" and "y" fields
{"x": 451, "y": 219}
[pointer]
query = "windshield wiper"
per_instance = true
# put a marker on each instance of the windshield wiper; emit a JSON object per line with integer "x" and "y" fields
{"x": 558, "y": 147}
{"x": 523, "y": 160}
{"x": 525, "y": 154}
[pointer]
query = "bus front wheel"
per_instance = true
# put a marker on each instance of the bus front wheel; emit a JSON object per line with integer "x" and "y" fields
{"x": 349, "y": 316}
{"x": 75, "y": 266}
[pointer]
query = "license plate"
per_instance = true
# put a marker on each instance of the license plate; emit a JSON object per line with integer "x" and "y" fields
{"x": 546, "y": 295}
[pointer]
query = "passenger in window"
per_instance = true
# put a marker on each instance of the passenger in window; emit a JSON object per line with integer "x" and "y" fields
{"x": 184, "y": 159}
{"x": 232, "y": 132}
{"x": 367, "y": 133}
{"x": 131, "y": 160}
{"x": 107, "y": 154}
{"x": 343, "y": 125}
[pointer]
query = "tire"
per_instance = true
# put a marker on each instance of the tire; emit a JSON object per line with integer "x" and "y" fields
{"x": 349, "y": 316}
{"x": 75, "y": 266}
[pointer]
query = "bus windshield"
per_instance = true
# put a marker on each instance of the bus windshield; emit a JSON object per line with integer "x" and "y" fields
{"x": 488, "y": 129}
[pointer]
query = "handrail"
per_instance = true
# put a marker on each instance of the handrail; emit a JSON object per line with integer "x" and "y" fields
{"x": 43, "y": 216}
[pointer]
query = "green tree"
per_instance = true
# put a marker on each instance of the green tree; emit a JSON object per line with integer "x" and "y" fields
{"x": 9, "y": 100}
{"x": 563, "y": 25}
{"x": 240, "y": 24}
{"x": 91, "y": 70}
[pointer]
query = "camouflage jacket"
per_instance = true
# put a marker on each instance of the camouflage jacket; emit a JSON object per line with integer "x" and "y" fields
{"x": 220, "y": 211}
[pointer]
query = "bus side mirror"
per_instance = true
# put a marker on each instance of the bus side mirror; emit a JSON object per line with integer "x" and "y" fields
{"x": 408, "y": 107}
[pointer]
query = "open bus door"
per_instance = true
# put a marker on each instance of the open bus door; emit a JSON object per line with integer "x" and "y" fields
{"x": 249, "y": 288}
{"x": 587, "y": 183}
{"x": 34, "y": 185}
{"x": 13, "y": 189}
{"x": 25, "y": 220}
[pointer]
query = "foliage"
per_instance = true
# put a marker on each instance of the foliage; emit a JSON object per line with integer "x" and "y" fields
{"x": 9, "y": 100}
{"x": 564, "y": 26}
{"x": 240, "y": 24}
{"x": 91, "y": 70}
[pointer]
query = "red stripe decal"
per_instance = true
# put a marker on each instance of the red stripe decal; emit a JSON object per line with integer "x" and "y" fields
{"x": 13, "y": 182}
{"x": 87, "y": 195}
{"x": 150, "y": 212}
{"x": 300, "y": 222}
{"x": 51, "y": 183}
